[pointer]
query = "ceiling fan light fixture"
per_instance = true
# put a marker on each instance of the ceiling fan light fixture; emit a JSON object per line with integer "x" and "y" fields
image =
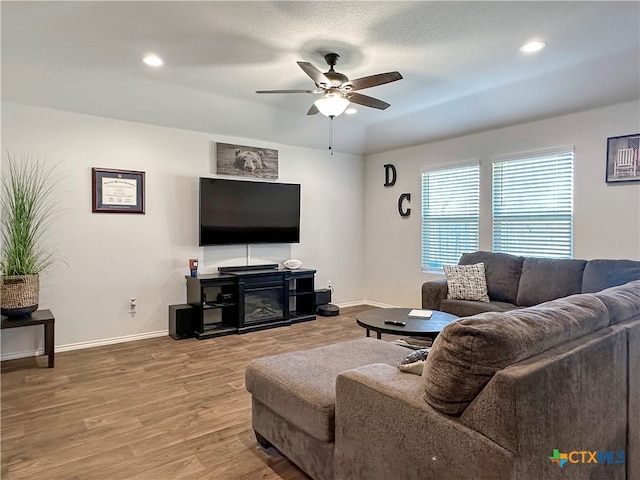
{"x": 153, "y": 60}
{"x": 351, "y": 110}
{"x": 534, "y": 46}
{"x": 331, "y": 104}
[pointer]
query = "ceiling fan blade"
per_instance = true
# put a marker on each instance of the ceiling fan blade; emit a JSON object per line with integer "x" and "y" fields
{"x": 315, "y": 74}
{"x": 289, "y": 91}
{"x": 374, "y": 80}
{"x": 367, "y": 101}
{"x": 313, "y": 110}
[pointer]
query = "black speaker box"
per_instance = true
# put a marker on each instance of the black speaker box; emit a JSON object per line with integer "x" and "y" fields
{"x": 323, "y": 296}
{"x": 181, "y": 321}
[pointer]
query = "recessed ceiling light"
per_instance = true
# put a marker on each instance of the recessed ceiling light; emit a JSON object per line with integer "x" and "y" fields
{"x": 534, "y": 46}
{"x": 153, "y": 60}
{"x": 350, "y": 110}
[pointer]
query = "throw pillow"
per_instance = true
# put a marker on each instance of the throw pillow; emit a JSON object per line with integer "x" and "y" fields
{"x": 414, "y": 362}
{"x": 466, "y": 282}
{"x": 502, "y": 271}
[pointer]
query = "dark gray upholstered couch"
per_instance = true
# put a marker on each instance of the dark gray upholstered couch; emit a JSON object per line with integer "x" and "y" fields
{"x": 499, "y": 392}
{"x": 515, "y": 282}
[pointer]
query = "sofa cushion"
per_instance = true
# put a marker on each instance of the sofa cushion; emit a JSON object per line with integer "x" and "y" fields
{"x": 466, "y": 282}
{"x": 300, "y": 386}
{"x": 468, "y": 352}
{"x": 466, "y": 308}
{"x": 502, "y": 273}
{"x": 601, "y": 274}
{"x": 545, "y": 279}
{"x": 623, "y": 302}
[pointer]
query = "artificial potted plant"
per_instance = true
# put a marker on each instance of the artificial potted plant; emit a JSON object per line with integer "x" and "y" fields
{"x": 28, "y": 209}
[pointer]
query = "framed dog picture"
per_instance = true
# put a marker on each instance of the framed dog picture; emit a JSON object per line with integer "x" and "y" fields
{"x": 240, "y": 160}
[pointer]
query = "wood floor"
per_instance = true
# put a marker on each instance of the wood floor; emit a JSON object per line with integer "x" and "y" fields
{"x": 152, "y": 409}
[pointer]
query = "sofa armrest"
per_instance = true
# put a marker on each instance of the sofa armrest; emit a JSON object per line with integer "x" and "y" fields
{"x": 433, "y": 292}
{"x": 385, "y": 429}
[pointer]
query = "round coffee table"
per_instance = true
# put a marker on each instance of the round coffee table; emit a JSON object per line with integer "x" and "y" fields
{"x": 416, "y": 327}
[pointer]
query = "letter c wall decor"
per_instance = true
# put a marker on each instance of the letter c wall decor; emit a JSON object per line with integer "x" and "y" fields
{"x": 402, "y": 211}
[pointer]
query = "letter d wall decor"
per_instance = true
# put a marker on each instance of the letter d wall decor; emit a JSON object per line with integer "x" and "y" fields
{"x": 390, "y": 175}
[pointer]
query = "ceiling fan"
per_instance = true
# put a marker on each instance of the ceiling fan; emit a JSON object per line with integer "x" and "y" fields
{"x": 338, "y": 90}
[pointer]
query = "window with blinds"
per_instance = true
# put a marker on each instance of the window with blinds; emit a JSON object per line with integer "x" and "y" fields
{"x": 450, "y": 211}
{"x": 533, "y": 204}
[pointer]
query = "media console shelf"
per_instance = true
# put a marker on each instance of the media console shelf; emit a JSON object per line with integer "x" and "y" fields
{"x": 250, "y": 298}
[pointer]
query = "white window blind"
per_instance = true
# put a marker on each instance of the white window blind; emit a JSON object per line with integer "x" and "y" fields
{"x": 450, "y": 210}
{"x": 533, "y": 204}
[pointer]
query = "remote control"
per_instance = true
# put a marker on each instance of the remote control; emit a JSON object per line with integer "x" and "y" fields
{"x": 395, "y": 322}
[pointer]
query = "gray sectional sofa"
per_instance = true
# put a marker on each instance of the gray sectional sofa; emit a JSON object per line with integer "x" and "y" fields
{"x": 500, "y": 391}
{"x": 515, "y": 281}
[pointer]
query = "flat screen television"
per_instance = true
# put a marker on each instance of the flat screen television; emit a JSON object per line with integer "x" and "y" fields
{"x": 241, "y": 212}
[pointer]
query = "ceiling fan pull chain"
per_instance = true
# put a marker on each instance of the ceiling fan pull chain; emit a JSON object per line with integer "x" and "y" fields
{"x": 331, "y": 134}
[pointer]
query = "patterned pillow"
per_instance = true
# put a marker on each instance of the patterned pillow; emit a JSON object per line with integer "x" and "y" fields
{"x": 414, "y": 362}
{"x": 466, "y": 282}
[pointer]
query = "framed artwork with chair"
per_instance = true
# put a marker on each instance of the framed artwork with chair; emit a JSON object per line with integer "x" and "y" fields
{"x": 622, "y": 159}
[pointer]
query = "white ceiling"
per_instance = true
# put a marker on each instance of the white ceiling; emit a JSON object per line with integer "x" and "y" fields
{"x": 460, "y": 61}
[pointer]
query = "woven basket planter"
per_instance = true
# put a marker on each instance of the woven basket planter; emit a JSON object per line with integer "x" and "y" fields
{"x": 19, "y": 295}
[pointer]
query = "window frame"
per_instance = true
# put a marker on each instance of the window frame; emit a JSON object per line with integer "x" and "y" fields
{"x": 553, "y": 219}
{"x": 431, "y": 264}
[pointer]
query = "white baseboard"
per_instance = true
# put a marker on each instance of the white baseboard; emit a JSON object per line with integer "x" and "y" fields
{"x": 357, "y": 303}
{"x": 81, "y": 345}
{"x": 380, "y": 305}
{"x": 14, "y": 355}
{"x": 111, "y": 341}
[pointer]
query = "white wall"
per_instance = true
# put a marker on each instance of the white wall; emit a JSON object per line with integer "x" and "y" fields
{"x": 606, "y": 221}
{"x": 109, "y": 258}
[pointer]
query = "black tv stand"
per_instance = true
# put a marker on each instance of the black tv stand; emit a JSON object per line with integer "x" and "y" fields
{"x": 247, "y": 268}
{"x": 248, "y": 298}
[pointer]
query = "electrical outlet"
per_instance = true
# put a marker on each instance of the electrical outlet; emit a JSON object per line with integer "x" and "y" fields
{"x": 133, "y": 303}
{"x": 328, "y": 283}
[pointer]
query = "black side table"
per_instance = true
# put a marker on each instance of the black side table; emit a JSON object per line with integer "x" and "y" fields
{"x": 39, "y": 317}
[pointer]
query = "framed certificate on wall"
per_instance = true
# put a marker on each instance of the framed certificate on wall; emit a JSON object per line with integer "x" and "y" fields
{"x": 117, "y": 191}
